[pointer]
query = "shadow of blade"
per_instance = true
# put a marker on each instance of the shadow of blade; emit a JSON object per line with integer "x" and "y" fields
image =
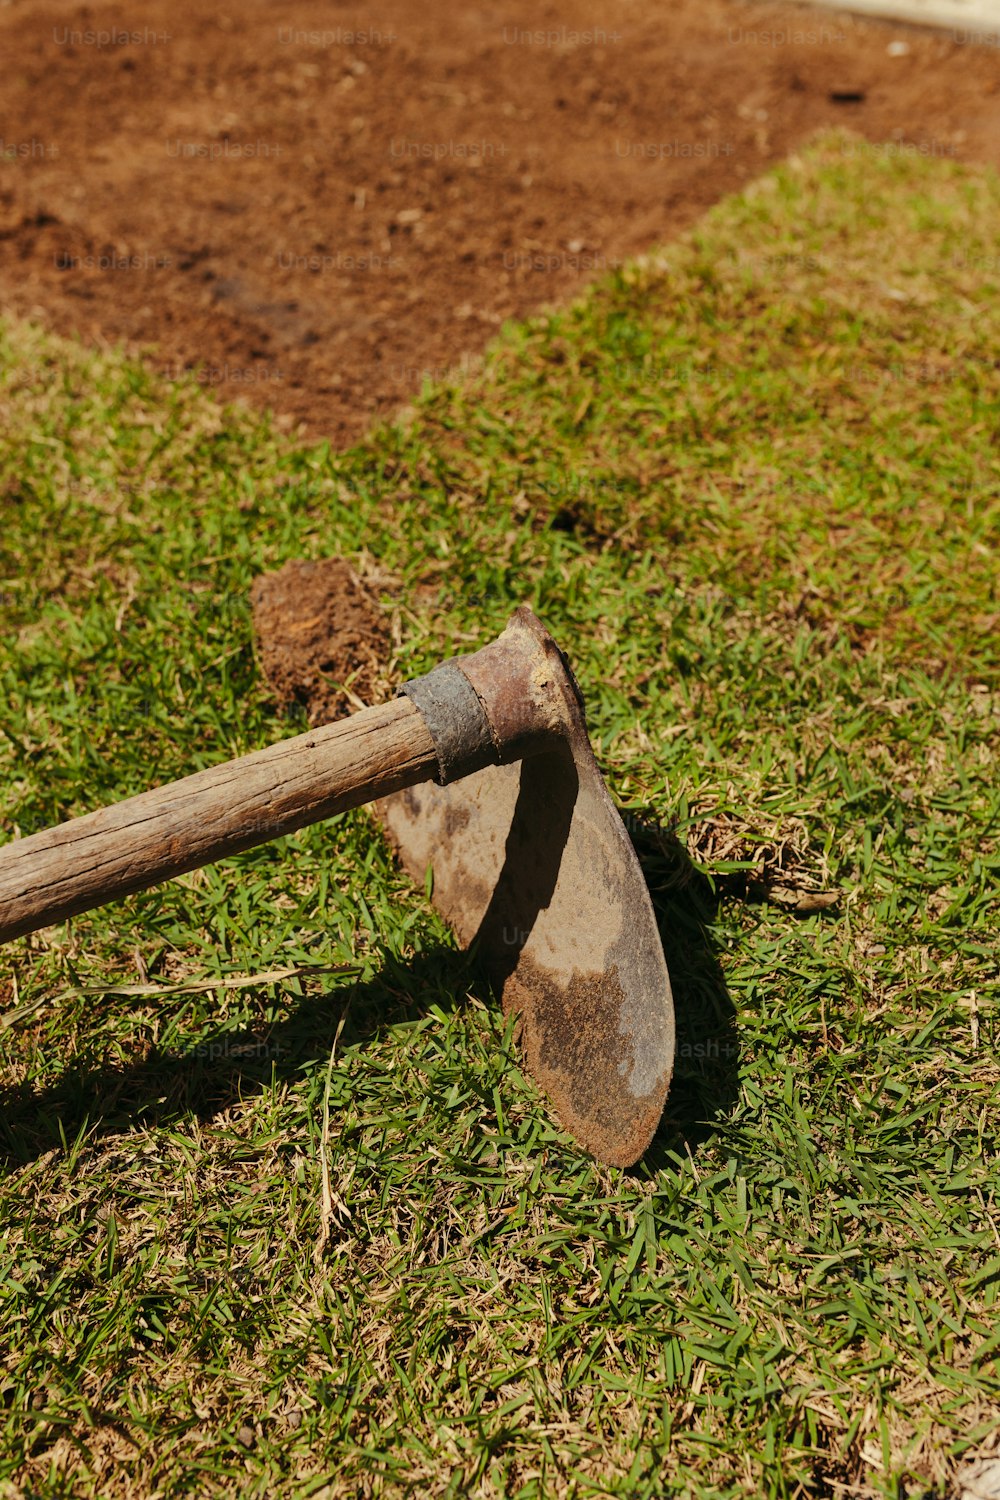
{"x": 705, "y": 1085}
{"x": 224, "y": 1068}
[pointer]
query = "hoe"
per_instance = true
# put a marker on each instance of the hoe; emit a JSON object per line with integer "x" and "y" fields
{"x": 481, "y": 771}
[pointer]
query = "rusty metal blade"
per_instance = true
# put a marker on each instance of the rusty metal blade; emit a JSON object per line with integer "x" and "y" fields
{"x": 533, "y": 868}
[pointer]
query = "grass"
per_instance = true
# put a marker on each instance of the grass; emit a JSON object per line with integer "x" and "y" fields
{"x": 316, "y": 1234}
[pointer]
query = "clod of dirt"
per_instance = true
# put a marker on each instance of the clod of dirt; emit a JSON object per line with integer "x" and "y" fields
{"x": 322, "y": 638}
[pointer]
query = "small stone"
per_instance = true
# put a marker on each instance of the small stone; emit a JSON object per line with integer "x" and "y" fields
{"x": 979, "y": 1480}
{"x": 245, "y": 1436}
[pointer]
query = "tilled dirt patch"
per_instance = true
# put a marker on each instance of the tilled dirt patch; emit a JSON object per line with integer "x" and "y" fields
{"x": 315, "y": 205}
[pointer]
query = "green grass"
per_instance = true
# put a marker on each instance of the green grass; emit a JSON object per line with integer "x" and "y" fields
{"x": 751, "y": 485}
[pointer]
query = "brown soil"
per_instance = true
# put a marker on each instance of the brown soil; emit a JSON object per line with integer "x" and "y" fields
{"x": 322, "y": 638}
{"x": 316, "y": 203}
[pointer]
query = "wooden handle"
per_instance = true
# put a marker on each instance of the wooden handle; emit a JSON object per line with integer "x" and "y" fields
{"x": 134, "y": 844}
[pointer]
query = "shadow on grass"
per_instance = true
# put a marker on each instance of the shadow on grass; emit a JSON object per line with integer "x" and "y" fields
{"x": 705, "y": 1084}
{"x": 225, "y": 1067}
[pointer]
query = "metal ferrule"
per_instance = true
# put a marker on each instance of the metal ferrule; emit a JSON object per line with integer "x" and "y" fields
{"x": 456, "y": 719}
{"x": 500, "y": 704}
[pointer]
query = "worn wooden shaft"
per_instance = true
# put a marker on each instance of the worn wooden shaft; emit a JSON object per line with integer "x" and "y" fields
{"x": 134, "y": 844}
